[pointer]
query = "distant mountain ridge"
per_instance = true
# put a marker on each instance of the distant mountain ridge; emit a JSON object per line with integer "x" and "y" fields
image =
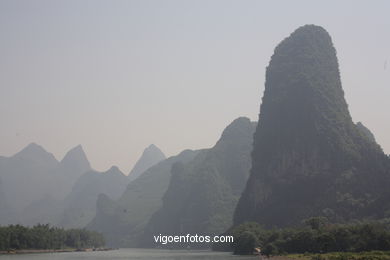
{"x": 195, "y": 191}
{"x": 80, "y": 204}
{"x": 150, "y": 156}
{"x": 37, "y": 188}
{"x": 35, "y": 183}
{"x": 122, "y": 221}
{"x": 203, "y": 193}
{"x": 74, "y": 164}
{"x": 36, "y": 153}
{"x": 76, "y": 159}
{"x": 22, "y": 175}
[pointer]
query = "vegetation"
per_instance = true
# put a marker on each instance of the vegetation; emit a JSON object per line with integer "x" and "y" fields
{"x": 315, "y": 237}
{"x": 372, "y": 255}
{"x": 246, "y": 242}
{"x": 17, "y": 237}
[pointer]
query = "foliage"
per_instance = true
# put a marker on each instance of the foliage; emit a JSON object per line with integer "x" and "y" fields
{"x": 372, "y": 255}
{"x": 315, "y": 222}
{"x": 315, "y": 239}
{"x": 246, "y": 242}
{"x": 18, "y": 237}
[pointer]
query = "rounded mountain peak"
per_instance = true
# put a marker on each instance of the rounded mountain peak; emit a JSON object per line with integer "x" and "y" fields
{"x": 307, "y": 37}
{"x": 32, "y": 148}
{"x": 241, "y": 128}
{"x": 236, "y": 127}
{"x": 36, "y": 152}
{"x": 303, "y": 87}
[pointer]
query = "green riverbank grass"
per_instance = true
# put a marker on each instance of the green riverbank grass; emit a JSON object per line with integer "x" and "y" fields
{"x": 371, "y": 255}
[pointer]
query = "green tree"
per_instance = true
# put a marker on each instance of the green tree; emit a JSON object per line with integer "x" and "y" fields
{"x": 246, "y": 243}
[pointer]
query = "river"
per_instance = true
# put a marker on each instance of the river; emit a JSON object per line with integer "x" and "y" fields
{"x": 129, "y": 254}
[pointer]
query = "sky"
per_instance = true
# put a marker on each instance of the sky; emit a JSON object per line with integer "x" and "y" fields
{"x": 116, "y": 76}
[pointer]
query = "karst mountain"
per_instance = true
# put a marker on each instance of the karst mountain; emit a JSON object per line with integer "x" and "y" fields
{"x": 309, "y": 158}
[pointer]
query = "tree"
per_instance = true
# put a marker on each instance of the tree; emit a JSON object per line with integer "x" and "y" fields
{"x": 246, "y": 243}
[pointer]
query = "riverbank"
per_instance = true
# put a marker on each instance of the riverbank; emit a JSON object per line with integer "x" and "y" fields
{"x": 370, "y": 255}
{"x": 41, "y": 251}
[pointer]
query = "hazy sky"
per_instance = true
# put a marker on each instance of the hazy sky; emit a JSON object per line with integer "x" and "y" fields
{"x": 116, "y": 76}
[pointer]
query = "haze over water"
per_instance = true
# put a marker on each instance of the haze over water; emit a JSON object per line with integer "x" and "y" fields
{"x": 126, "y": 254}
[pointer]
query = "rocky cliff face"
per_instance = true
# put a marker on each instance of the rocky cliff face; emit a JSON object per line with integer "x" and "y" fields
{"x": 203, "y": 193}
{"x": 309, "y": 158}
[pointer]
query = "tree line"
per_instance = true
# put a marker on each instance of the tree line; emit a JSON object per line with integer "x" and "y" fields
{"x": 316, "y": 236}
{"x": 17, "y": 237}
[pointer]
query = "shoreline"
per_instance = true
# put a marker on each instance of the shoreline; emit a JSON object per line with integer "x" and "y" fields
{"x": 42, "y": 251}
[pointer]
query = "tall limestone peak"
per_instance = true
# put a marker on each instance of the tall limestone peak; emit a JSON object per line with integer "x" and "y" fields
{"x": 76, "y": 159}
{"x": 303, "y": 97}
{"x": 150, "y": 156}
{"x": 309, "y": 158}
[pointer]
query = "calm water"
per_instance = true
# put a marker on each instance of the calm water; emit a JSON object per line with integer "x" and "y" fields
{"x": 122, "y": 254}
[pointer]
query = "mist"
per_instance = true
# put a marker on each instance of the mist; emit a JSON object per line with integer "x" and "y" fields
{"x": 118, "y": 76}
